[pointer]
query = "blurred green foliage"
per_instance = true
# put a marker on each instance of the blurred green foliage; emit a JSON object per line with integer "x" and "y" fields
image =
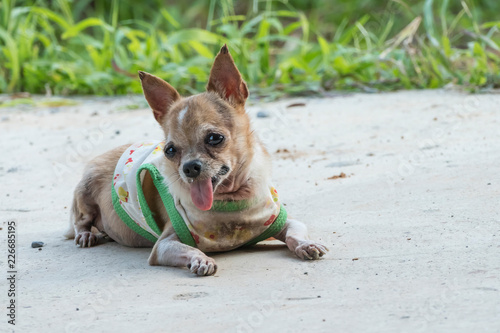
{"x": 281, "y": 47}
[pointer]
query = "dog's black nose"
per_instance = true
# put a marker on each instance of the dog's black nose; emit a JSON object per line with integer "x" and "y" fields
{"x": 192, "y": 169}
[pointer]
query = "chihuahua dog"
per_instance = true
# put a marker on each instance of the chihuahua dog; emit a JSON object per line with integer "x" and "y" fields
{"x": 204, "y": 188}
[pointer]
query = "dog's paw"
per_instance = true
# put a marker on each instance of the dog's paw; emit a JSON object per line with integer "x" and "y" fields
{"x": 85, "y": 239}
{"x": 309, "y": 250}
{"x": 202, "y": 265}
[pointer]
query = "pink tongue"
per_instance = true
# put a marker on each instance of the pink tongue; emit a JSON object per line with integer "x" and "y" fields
{"x": 202, "y": 194}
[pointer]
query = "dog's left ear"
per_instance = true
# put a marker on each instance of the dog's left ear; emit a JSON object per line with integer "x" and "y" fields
{"x": 225, "y": 79}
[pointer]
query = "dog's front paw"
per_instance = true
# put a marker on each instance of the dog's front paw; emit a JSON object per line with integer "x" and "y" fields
{"x": 310, "y": 250}
{"x": 202, "y": 265}
{"x": 86, "y": 239}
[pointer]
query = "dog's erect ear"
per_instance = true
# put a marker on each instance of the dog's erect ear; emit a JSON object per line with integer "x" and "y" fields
{"x": 159, "y": 94}
{"x": 225, "y": 79}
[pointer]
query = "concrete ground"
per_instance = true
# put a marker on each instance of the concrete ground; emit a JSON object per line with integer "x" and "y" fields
{"x": 412, "y": 222}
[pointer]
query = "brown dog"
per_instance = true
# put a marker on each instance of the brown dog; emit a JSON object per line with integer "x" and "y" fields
{"x": 205, "y": 187}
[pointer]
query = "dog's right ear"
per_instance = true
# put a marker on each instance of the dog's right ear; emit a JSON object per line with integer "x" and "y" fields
{"x": 159, "y": 94}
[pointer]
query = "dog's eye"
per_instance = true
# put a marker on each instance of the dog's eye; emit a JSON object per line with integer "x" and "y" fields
{"x": 170, "y": 151}
{"x": 214, "y": 139}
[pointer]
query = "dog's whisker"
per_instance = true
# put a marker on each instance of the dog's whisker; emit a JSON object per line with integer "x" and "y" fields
{"x": 173, "y": 173}
{"x": 172, "y": 182}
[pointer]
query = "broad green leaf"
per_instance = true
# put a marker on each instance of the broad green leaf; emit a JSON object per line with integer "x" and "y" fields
{"x": 84, "y": 24}
{"x": 201, "y": 49}
{"x": 188, "y": 35}
{"x": 52, "y": 16}
{"x": 170, "y": 18}
{"x": 325, "y": 48}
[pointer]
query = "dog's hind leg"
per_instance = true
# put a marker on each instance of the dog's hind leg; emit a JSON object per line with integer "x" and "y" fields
{"x": 84, "y": 213}
{"x": 294, "y": 234}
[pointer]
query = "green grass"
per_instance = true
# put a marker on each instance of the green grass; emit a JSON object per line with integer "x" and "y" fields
{"x": 48, "y": 102}
{"x": 281, "y": 47}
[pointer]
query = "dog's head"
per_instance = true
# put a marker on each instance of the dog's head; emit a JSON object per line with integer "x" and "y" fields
{"x": 208, "y": 137}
